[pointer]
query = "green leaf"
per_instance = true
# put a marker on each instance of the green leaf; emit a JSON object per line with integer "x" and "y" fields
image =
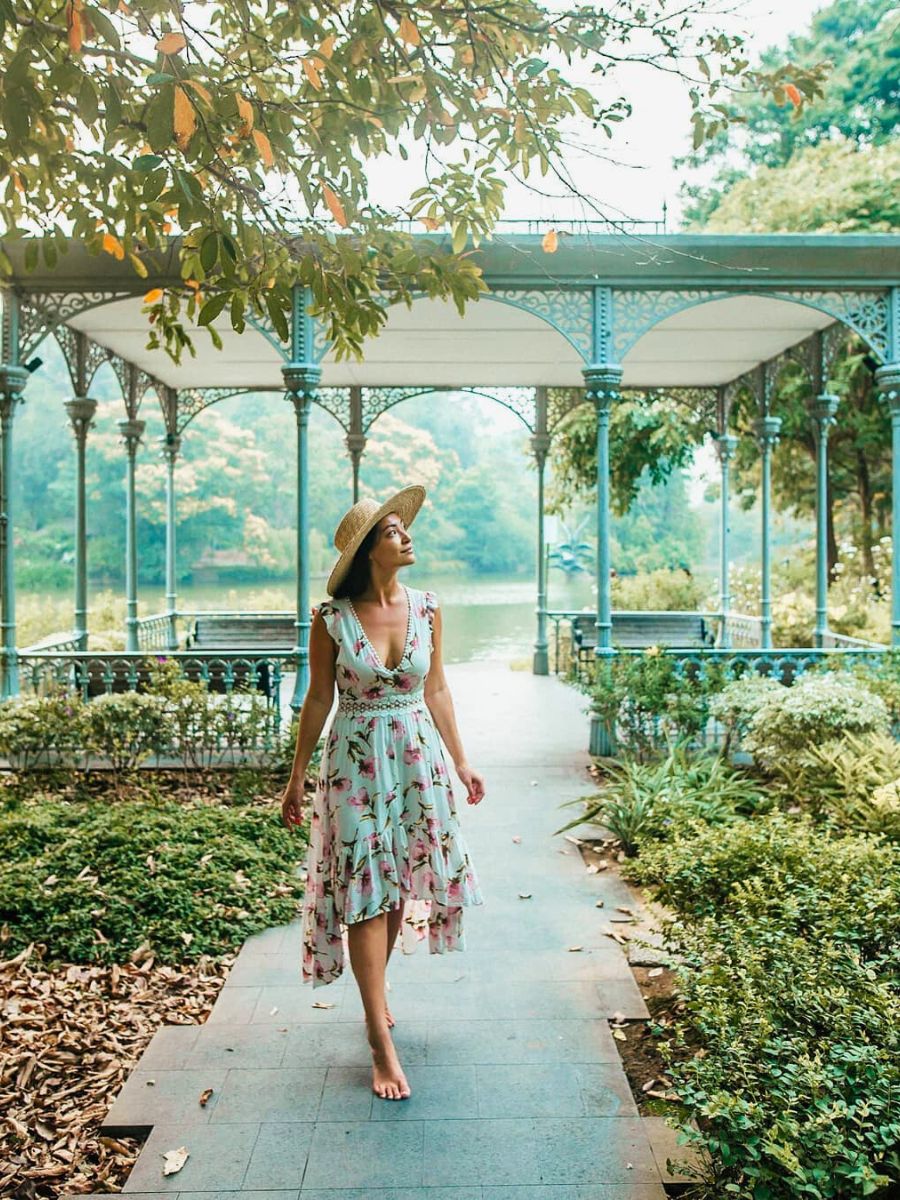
{"x": 209, "y": 253}
{"x": 212, "y": 308}
{"x": 277, "y": 316}
{"x": 103, "y": 25}
{"x": 146, "y": 162}
{"x": 159, "y": 77}
{"x": 533, "y": 67}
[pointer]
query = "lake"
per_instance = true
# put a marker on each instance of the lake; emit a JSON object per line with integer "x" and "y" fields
{"x": 484, "y": 616}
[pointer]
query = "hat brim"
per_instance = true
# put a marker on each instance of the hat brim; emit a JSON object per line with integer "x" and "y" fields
{"x": 406, "y": 503}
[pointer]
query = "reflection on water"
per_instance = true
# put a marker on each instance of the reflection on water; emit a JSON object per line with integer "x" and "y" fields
{"x": 484, "y": 616}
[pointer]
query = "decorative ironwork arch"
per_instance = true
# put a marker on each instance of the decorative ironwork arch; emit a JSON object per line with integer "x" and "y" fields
{"x": 636, "y": 311}
{"x": 519, "y": 400}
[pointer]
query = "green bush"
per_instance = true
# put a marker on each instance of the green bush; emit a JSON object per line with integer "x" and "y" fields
{"x": 847, "y": 783}
{"x": 814, "y": 709}
{"x": 792, "y": 1072}
{"x": 128, "y": 728}
{"x": 93, "y": 881}
{"x": 782, "y": 869}
{"x": 645, "y": 802}
{"x": 737, "y": 703}
{"x": 39, "y": 731}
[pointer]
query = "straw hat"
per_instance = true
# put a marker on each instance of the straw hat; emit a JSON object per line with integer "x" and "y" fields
{"x": 358, "y": 520}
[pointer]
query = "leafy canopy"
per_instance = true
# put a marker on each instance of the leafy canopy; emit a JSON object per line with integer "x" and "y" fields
{"x": 247, "y": 128}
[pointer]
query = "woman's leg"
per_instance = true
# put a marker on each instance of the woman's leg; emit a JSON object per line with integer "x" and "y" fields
{"x": 368, "y": 945}
{"x": 394, "y": 921}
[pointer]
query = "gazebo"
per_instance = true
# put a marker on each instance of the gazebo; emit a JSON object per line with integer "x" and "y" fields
{"x": 605, "y": 312}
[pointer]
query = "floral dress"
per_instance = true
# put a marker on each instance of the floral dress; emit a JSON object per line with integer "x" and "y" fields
{"x": 384, "y": 826}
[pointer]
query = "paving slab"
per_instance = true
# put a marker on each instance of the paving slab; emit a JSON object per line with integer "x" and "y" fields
{"x": 518, "y": 1091}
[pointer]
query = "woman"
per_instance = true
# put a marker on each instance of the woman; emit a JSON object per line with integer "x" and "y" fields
{"x": 385, "y": 846}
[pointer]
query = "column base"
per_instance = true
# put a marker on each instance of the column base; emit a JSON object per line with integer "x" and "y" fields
{"x": 540, "y": 663}
{"x": 602, "y": 738}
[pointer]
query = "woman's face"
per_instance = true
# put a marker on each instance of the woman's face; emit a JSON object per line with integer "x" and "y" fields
{"x": 393, "y": 546}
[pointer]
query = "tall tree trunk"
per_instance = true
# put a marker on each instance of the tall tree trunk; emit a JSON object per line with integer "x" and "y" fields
{"x": 864, "y": 491}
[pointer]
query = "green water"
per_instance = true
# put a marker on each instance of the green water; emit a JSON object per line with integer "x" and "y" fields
{"x": 484, "y": 617}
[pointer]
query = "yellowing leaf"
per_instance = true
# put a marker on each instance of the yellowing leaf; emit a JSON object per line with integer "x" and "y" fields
{"x": 171, "y": 43}
{"x": 311, "y": 71}
{"x": 201, "y": 91}
{"x": 409, "y": 33}
{"x": 184, "y": 118}
{"x": 139, "y": 266}
{"x": 74, "y": 26}
{"x": 245, "y": 112}
{"x": 113, "y": 246}
{"x": 327, "y": 47}
{"x": 793, "y": 94}
{"x": 334, "y": 206}
{"x": 550, "y": 242}
{"x": 264, "y": 146}
{"x": 153, "y": 296}
{"x": 430, "y": 223}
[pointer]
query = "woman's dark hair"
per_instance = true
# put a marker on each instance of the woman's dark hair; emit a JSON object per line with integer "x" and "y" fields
{"x": 356, "y": 580}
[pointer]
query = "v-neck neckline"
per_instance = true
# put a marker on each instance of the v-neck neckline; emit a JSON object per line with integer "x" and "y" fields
{"x": 365, "y": 636}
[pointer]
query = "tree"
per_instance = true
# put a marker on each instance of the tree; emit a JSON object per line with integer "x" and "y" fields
{"x": 240, "y": 133}
{"x": 859, "y": 104}
{"x": 834, "y": 187}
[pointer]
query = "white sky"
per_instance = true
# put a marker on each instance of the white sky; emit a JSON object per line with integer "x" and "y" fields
{"x": 658, "y": 131}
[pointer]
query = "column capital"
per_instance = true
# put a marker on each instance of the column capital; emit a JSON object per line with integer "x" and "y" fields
{"x": 767, "y": 430}
{"x": 170, "y": 445}
{"x": 131, "y": 432}
{"x": 825, "y": 407}
{"x": 540, "y": 447}
{"x": 726, "y": 444}
{"x": 603, "y": 381}
{"x": 12, "y": 385}
{"x": 887, "y": 381}
{"x": 356, "y": 442}
{"x": 301, "y": 378}
{"x": 81, "y": 411}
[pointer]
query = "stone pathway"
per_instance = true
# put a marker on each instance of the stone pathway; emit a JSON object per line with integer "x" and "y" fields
{"x": 518, "y": 1091}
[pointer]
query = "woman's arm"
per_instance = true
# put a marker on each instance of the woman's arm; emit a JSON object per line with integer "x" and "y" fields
{"x": 313, "y": 714}
{"x": 440, "y": 705}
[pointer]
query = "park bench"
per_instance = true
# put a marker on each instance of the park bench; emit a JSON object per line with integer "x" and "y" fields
{"x": 637, "y": 630}
{"x": 252, "y": 635}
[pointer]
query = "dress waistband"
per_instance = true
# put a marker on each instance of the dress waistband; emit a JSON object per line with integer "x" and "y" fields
{"x": 404, "y": 702}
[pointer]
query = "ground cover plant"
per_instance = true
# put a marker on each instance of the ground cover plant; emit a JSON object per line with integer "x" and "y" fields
{"x": 781, "y": 881}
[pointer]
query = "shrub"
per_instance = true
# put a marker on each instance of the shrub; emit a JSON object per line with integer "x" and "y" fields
{"x": 815, "y": 708}
{"x": 795, "y": 1083}
{"x": 128, "y": 728}
{"x": 737, "y": 703}
{"x": 92, "y": 882}
{"x": 37, "y": 731}
{"x": 645, "y": 802}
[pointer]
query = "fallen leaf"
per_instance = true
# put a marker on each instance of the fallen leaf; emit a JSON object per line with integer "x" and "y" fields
{"x": 654, "y": 972}
{"x": 619, "y": 1034}
{"x": 573, "y": 949}
{"x": 625, "y": 909}
{"x": 322, "y": 1004}
{"x": 517, "y": 837}
{"x": 204, "y": 1096}
{"x": 574, "y": 840}
{"x": 273, "y": 1011}
{"x": 175, "y": 1160}
{"x": 524, "y": 895}
{"x": 599, "y": 903}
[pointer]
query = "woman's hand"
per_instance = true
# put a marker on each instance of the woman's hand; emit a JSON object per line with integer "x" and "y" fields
{"x": 292, "y": 804}
{"x": 474, "y": 783}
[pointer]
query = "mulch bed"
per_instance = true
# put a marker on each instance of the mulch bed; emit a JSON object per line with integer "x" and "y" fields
{"x": 71, "y": 1035}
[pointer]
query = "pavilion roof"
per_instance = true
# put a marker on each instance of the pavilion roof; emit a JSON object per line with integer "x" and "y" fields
{"x": 499, "y": 344}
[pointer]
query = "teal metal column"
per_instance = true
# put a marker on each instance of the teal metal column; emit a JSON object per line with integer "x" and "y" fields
{"x": 887, "y": 379}
{"x": 826, "y": 406}
{"x": 301, "y": 379}
{"x": 13, "y": 378}
{"x": 81, "y": 413}
{"x": 356, "y": 439}
{"x": 131, "y": 432}
{"x": 540, "y": 445}
{"x": 767, "y": 435}
{"x": 171, "y": 446}
{"x": 726, "y": 444}
{"x": 603, "y": 381}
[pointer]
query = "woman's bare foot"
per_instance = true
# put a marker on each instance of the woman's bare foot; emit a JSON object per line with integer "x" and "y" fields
{"x": 388, "y": 1080}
